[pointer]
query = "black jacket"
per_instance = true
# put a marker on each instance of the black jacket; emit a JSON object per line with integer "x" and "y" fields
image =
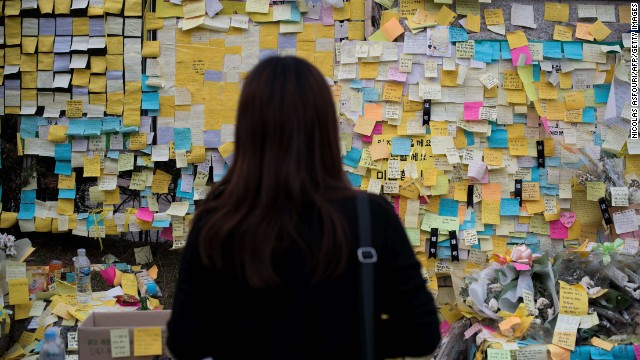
{"x": 216, "y": 314}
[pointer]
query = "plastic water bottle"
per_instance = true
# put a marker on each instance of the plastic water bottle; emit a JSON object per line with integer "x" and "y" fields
{"x": 83, "y": 277}
{"x": 53, "y": 347}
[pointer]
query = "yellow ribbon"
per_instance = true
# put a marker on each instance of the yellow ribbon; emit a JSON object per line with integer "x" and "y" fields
{"x": 98, "y": 214}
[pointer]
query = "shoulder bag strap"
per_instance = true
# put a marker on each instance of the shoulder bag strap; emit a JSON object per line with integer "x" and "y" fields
{"x": 367, "y": 256}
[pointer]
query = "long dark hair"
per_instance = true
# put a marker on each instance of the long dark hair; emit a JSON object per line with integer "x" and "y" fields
{"x": 286, "y": 161}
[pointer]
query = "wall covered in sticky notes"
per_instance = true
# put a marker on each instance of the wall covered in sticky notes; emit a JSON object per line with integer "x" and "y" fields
{"x": 485, "y": 120}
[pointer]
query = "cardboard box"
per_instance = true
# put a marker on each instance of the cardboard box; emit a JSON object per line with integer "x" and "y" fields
{"x": 94, "y": 334}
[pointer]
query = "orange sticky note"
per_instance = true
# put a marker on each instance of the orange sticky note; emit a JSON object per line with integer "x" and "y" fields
{"x": 364, "y": 125}
{"x": 392, "y": 29}
{"x": 373, "y": 111}
{"x": 379, "y": 151}
{"x": 583, "y": 31}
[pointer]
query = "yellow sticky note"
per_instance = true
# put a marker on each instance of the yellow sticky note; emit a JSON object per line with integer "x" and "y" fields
{"x": 137, "y": 141}
{"x": 57, "y": 133}
{"x": 26, "y": 338}
{"x": 599, "y": 30}
{"x": 563, "y": 33}
{"x": 18, "y": 291}
{"x": 74, "y": 108}
{"x": 493, "y": 16}
{"x": 129, "y": 284}
{"x": 493, "y": 156}
{"x": 556, "y": 12}
{"x": 574, "y": 100}
{"x": 473, "y": 23}
{"x": 160, "y": 183}
{"x": 573, "y": 299}
{"x": 445, "y": 16}
{"x": 517, "y": 39}
{"x": 91, "y": 166}
{"x": 596, "y": 190}
{"x": 147, "y": 341}
{"x": 22, "y": 311}
{"x": 530, "y": 191}
{"x": 499, "y": 243}
{"x": 151, "y": 48}
{"x": 392, "y": 91}
{"x": 8, "y": 219}
{"x": 491, "y": 212}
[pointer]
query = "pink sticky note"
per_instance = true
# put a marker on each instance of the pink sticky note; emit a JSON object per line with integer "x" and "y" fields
{"x": 557, "y": 230}
{"x": 521, "y": 267}
{"x": 567, "y": 218}
{"x": 444, "y": 327}
{"x": 636, "y": 351}
{"x": 167, "y": 233}
{"x": 396, "y": 204}
{"x": 472, "y": 110}
{"x": 395, "y": 75}
{"x": 109, "y": 274}
{"x": 515, "y": 55}
{"x": 144, "y": 214}
{"x": 377, "y": 130}
{"x": 545, "y": 123}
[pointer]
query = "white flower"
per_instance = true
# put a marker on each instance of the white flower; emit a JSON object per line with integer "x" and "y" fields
{"x": 493, "y": 305}
{"x": 542, "y": 302}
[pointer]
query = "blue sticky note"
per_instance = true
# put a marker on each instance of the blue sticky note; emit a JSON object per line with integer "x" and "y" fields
{"x": 589, "y": 115}
{"x": 150, "y": 100}
{"x": 354, "y": 179}
{"x": 161, "y": 223}
{"x": 110, "y": 125}
{"x": 67, "y": 193}
{"x": 182, "y": 138}
{"x": 581, "y": 353}
{"x": 505, "y": 51}
{"x": 355, "y": 84}
{"x": 62, "y": 152}
{"x": 495, "y": 46}
{"x": 483, "y": 52}
{"x": 572, "y": 49}
{"x": 470, "y": 138}
{"x": 601, "y": 92}
{"x": 552, "y": 49}
{"x": 183, "y": 194}
{"x": 457, "y": 34}
{"x": 295, "y": 13}
{"x": 92, "y": 127}
{"x": 28, "y": 196}
{"x": 536, "y": 72}
{"x": 28, "y": 127}
{"x": 448, "y": 207}
{"x": 623, "y": 352}
{"x": 63, "y": 168}
{"x": 146, "y": 87}
{"x": 370, "y": 94}
{"x": 76, "y": 127}
{"x": 600, "y": 354}
{"x": 71, "y": 277}
{"x": 499, "y": 139}
{"x": 27, "y": 211}
{"x": 352, "y": 158}
{"x": 113, "y": 154}
{"x": 400, "y": 146}
{"x": 509, "y": 207}
{"x": 93, "y": 220}
{"x": 443, "y": 251}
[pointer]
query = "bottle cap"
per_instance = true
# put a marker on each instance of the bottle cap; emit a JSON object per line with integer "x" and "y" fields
{"x": 51, "y": 333}
{"x": 82, "y": 252}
